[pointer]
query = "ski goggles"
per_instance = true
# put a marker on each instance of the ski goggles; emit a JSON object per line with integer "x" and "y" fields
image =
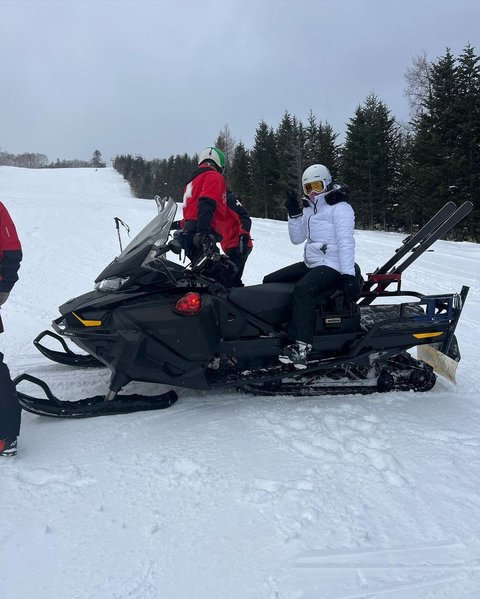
{"x": 316, "y": 186}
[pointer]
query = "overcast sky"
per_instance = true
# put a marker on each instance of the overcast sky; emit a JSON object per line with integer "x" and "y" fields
{"x": 158, "y": 77}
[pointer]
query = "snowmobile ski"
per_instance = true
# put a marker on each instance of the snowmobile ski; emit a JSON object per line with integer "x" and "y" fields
{"x": 90, "y": 406}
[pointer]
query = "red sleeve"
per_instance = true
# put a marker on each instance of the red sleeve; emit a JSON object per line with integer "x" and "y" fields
{"x": 8, "y": 234}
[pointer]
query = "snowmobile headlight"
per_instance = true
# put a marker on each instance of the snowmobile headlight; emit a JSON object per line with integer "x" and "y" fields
{"x": 111, "y": 284}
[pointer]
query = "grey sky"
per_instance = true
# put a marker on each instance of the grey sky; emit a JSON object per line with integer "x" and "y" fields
{"x": 158, "y": 77}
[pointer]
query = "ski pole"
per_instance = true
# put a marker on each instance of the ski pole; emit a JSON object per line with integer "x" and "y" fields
{"x": 118, "y": 222}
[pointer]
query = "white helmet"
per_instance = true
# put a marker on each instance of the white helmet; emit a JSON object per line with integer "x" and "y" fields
{"x": 316, "y": 178}
{"x": 213, "y": 154}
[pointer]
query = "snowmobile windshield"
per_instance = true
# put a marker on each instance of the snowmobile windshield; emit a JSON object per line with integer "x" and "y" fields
{"x": 156, "y": 232}
{"x": 152, "y": 236}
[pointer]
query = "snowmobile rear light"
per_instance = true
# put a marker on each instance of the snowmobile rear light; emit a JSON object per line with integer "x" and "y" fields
{"x": 189, "y": 305}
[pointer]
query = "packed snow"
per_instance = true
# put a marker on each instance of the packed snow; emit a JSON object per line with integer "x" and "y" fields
{"x": 227, "y": 495}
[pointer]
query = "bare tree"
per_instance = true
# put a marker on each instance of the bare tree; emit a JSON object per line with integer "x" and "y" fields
{"x": 418, "y": 89}
{"x": 226, "y": 143}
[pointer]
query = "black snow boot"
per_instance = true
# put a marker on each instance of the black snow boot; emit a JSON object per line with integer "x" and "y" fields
{"x": 8, "y": 447}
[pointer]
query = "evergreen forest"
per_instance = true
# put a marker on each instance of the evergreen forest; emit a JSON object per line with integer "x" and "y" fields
{"x": 399, "y": 174}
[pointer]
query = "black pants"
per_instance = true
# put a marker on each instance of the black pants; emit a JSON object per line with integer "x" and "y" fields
{"x": 10, "y": 409}
{"x": 312, "y": 285}
{"x": 239, "y": 260}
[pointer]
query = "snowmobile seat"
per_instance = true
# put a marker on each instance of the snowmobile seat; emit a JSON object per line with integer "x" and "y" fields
{"x": 269, "y": 302}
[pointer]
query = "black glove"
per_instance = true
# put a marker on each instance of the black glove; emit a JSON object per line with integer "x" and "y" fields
{"x": 291, "y": 203}
{"x": 204, "y": 241}
{"x": 175, "y": 225}
{"x": 350, "y": 288}
{"x": 339, "y": 193}
{"x": 243, "y": 244}
{"x": 3, "y": 297}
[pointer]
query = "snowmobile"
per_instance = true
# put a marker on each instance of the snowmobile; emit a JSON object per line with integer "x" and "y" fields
{"x": 154, "y": 320}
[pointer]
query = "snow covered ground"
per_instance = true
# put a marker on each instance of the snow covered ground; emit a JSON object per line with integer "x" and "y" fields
{"x": 230, "y": 496}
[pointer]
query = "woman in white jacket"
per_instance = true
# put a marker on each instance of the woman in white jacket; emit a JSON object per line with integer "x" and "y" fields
{"x": 326, "y": 224}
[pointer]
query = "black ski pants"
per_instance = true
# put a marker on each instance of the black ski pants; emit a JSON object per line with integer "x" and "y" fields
{"x": 10, "y": 409}
{"x": 239, "y": 260}
{"x": 312, "y": 285}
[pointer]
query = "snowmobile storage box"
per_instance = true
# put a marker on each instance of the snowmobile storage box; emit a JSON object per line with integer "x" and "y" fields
{"x": 343, "y": 321}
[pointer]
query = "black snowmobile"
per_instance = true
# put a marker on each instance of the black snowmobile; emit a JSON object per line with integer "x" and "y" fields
{"x": 154, "y": 320}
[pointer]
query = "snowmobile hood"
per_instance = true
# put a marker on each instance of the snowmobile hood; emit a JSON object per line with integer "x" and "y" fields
{"x": 152, "y": 236}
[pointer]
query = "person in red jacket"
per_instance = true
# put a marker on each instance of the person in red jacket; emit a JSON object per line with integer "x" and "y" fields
{"x": 10, "y": 410}
{"x": 205, "y": 204}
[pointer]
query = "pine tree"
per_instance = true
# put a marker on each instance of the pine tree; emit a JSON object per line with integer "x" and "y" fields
{"x": 434, "y": 161}
{"x": 285, "y": 141}
{"x": 320, "y": 145}
{"x": 368, "y": 161}
{"x": 467, "y": 148}
{"x": 265, "y": 172}
{"x": 240, "y": 174}
{"x": 97, "y": 160}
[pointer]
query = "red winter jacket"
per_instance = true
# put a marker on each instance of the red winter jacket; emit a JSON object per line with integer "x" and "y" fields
{"x": 205, "y": 201}
{"x": 10, "y": 251}
{"x": 238, "y": 222}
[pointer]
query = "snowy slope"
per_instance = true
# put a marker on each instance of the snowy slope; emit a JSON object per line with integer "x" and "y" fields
{"x": 229, "y": 496}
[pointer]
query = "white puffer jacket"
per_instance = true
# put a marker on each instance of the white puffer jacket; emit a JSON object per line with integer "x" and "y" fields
{"x": 329, "y": 233}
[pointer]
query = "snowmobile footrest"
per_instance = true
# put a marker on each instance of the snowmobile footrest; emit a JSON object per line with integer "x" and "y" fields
{"x": 90, "y": 406}
{"x": 67, "y": 356}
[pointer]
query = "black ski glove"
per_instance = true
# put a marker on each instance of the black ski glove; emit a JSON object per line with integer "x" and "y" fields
{"x": 339, "y": 193}
{"x": 243, "y": 244}
{"x": 3, "y": 297}
{"x": 350, "y": 288}
{"x": 204, "y": 241}
{"x": 291, "y": 203}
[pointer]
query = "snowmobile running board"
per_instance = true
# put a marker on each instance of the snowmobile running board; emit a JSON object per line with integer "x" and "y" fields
{"x": 417, "y": 243}
{"x": 90, "y": 406}
{"x": 67, "y": 356}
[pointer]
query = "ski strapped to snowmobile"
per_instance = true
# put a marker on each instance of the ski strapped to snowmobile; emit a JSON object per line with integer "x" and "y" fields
{"x": 417, "y": 243}
{"x": 153, "y": 320}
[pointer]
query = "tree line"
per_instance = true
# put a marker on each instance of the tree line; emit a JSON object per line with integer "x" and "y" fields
{"x": 37, "y": 160}
{"x": 399, "y": 174}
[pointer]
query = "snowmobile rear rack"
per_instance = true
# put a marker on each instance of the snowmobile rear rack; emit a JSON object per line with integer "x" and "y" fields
{"x": 416, "y": 244}
{"x": 90, "y": 406}
{"x": 67, "y": 356}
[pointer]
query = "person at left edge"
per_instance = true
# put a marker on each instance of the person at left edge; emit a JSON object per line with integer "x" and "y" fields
{"x": 204, "y": 204}
{"x": 10, "y": 409}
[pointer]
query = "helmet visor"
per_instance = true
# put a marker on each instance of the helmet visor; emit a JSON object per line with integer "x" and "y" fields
{"x": 316, "y": 186}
